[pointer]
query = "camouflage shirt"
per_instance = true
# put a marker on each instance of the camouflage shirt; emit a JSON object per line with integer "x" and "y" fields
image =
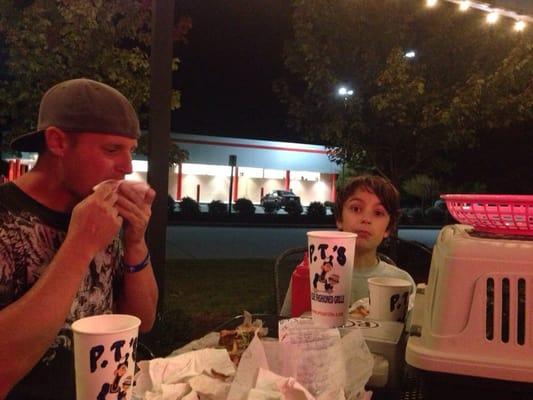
{"x": 30, "y": 235}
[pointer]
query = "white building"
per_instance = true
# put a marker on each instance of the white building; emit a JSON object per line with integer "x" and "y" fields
{"x": 261, "y": 166}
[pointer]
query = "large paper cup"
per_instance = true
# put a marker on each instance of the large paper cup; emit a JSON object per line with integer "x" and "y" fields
{"x": 389, "y": 298}
{"x": 331, "y": 255}
{"x": 104, "y": 356}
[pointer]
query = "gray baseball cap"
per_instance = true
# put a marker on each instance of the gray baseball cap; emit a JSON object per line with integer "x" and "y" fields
{"x": 81, "y": 105}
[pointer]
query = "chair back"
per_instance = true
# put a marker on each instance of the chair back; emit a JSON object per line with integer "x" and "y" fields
{"x": 411, "y": 256}
{"x": 284, "y": 265}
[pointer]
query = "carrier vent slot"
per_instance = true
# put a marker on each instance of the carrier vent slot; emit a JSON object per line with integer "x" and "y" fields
{"x": 521, "y": 305}
{"x": 508, "y": 305}
{"x": 505, "y": 310}
{"x": 489, "y": 325}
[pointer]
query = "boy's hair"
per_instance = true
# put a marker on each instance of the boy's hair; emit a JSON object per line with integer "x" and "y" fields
{"x": 381, "y": 187}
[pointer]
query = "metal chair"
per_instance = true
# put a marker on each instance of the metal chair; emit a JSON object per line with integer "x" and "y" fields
{"x": 412, "y": 256}
{"x": 285, "y": 263}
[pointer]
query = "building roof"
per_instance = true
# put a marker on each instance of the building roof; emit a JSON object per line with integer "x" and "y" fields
{"x": 216, "y": 150}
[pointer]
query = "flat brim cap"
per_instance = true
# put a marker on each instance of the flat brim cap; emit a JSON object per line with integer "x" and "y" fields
{"x": 81, "y": 105}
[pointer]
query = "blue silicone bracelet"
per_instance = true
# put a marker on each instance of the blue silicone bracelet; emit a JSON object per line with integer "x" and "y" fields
{"x": 137, "y": 267}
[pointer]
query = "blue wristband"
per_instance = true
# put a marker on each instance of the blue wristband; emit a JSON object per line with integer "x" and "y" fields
{"x": 137, "y": 267}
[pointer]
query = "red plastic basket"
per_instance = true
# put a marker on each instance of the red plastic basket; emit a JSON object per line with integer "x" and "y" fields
{"x": 498, "y": 213}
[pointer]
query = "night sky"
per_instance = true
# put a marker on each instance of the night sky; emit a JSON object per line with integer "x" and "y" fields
{"x": 233, "y": 55}
{"x": 226, "y": 73}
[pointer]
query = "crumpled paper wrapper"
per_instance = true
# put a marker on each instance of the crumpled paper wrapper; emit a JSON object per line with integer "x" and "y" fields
{"x": 307, "y": 363}
{"x": 201, "y": 374}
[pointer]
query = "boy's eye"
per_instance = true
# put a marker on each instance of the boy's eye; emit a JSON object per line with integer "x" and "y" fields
{"x": 355, "y": 208}
{"x": 380, "y": 213}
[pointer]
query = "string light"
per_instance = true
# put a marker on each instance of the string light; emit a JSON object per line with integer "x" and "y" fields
{"x": 493, "y": 17}
{"x": 493, "y": 14}
{"x": 464, "y": 5}
{"x": 519, "y": 26}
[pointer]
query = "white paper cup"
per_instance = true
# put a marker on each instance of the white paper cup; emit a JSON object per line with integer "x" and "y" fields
{"x": 389, "y": 298}
{"x": 331, "y": 255}
{"x": 104, "y": 356}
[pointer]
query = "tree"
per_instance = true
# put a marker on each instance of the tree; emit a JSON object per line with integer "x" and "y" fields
{"x": 407, "y": 115}
{"x": 421, "y": 186}
{"x": 51, "y": 41}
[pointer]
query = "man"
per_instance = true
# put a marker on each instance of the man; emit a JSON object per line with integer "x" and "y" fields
{"x": 61, "y": 257}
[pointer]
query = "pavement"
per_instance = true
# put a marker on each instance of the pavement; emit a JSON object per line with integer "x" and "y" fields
{"x": 219, "y": 242}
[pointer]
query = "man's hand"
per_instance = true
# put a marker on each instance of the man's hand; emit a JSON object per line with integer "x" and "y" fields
{"x": 95, "y": 220}
{"x": 135, "y": 207}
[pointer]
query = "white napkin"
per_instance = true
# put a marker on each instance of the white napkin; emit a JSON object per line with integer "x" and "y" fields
{"x": 203, "y": 373}
{"x": 314, "y": 359}
{"x": 139, "y": 187}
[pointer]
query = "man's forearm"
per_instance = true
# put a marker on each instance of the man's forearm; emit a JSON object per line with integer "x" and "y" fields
{"x": 139, "y": 293}
{"x": 29, "y": 325}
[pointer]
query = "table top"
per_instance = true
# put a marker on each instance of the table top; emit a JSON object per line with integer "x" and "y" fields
{"x": 415, "y": 384}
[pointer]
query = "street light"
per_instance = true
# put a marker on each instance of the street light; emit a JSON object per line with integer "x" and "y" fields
{"x": 345, "y": 93}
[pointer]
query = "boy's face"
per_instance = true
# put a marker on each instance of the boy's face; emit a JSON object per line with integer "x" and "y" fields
{"x": 363, "y": 213}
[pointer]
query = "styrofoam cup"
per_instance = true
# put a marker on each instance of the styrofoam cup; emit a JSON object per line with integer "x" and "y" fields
{"x": 331, "y": 255}
{"x": 104, "y": 355}
{"x": 389, "y": 298}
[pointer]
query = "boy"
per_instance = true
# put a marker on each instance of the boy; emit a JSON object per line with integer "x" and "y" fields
{"x": 369, "y": 206}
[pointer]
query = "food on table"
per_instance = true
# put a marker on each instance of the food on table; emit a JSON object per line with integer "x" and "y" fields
{"x": 359, "y": 312}
{"x": 236, "y": 340}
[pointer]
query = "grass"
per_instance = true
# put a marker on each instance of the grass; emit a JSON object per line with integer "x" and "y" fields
{"x": 201, "y": 294}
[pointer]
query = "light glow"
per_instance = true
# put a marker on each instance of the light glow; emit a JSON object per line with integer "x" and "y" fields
{"x": 344, "y": 91}
{"x": 139, "y": 165}
{"x": 410, "y": 54}
{"x": 275, "y": 174}
{"x": 305, "y": 175}
{"x": 431, "y": 3}
{"x": 464, "y": 5}
{"x": 519, "y": 26}
{"x": 493, "y": 17}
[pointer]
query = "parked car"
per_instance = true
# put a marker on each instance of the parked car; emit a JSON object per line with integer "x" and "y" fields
{"x": 280, "y": 198}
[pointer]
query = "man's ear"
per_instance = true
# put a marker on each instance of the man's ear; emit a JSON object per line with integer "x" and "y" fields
{"x": 56, "y": 140}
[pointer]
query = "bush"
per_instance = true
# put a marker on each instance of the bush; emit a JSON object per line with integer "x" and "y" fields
{"x": 269, "y": 207}
{"x": 316, "y": 209}
{"x": 404, "y": 217}
{"x": 330, "y": 205}
{"x": 244, "y": 207}
{"x": 416, "y": 215}
{"x": 293, "y": 208}
{"x": 435, "y": 215}
{"x": 189, "y": 208}
{"x": 216, "y": 208}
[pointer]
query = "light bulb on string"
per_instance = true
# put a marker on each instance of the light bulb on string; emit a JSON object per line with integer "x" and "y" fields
{"x": 493, "y": 17}
{"x": 519, "y": 26}
{"x": 464, "y": 5}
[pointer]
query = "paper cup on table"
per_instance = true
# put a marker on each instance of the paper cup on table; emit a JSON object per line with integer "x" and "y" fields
{"x": 331, "y": 255}
{"x": 104, "y": 356}
{"x": 389, "y": 298}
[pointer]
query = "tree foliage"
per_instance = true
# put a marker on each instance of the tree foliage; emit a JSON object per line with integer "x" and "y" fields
{"x": 49, "y": 41}
{"x": 407, "y": 115}
{"x": 421, "y": 186}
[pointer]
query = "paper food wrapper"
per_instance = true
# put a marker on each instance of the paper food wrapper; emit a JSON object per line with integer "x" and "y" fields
{"x": 307, "y": 363}
{"x": 200, "y": 374}
{"x": 139, "y": 187}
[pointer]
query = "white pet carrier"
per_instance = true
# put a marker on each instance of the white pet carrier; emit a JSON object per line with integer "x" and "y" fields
{"x": 475, "y": 316}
